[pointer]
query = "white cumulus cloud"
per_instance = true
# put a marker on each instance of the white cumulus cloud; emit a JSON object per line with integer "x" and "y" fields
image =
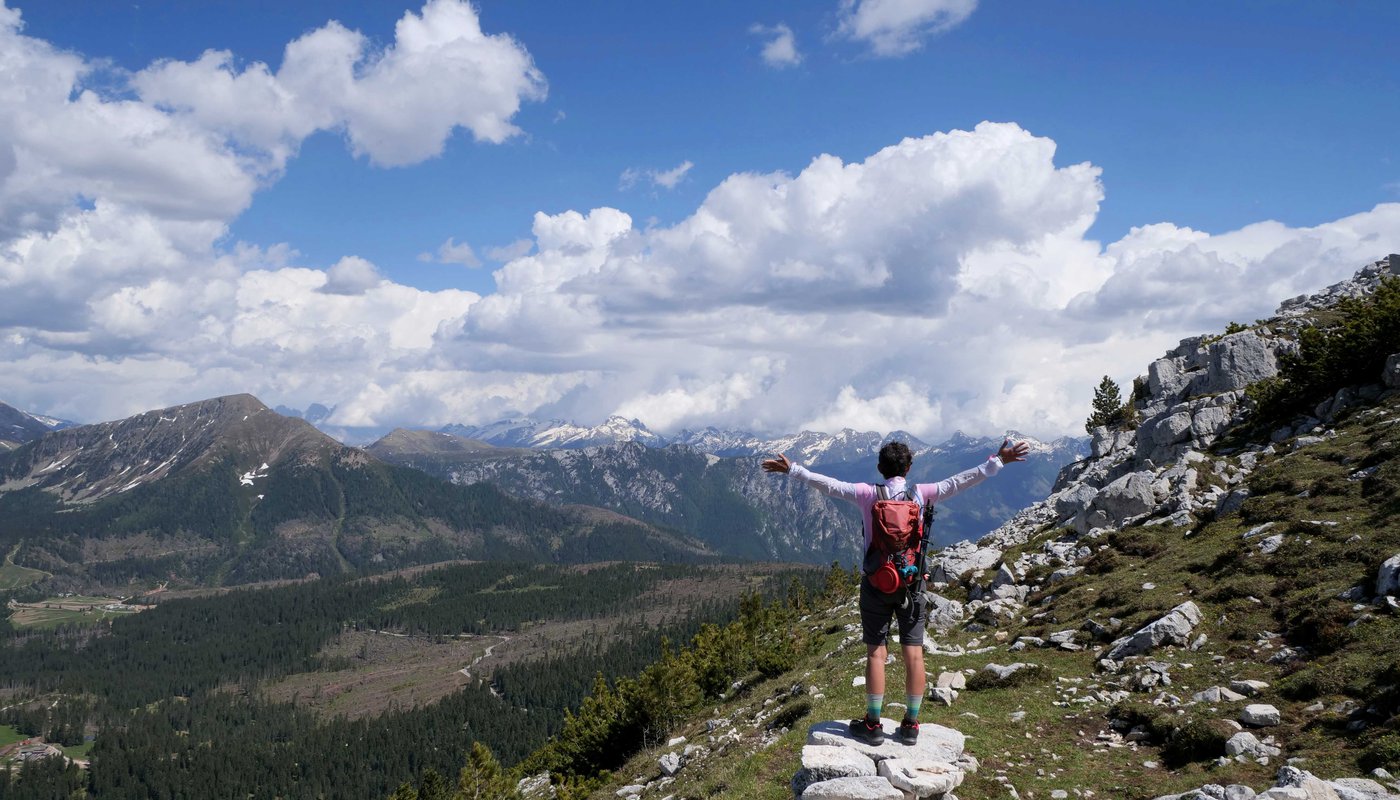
{"x": 899, "y": 27}
{"x": 780, "y": 48}
{"x": 396, "y": 106}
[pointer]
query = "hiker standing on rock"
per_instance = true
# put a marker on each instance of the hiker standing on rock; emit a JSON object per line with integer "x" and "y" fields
{"x": 893, "y": 515}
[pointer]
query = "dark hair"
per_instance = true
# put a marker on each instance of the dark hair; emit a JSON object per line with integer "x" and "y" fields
{"x": 895, "y": 459}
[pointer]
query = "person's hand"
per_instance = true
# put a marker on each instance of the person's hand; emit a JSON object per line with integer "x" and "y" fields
{"x": 779, "y": 464}
{"x": 1011, "y": 453}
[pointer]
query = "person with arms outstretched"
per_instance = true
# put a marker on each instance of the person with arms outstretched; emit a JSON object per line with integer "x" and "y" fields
{"x": 882, "y": 601}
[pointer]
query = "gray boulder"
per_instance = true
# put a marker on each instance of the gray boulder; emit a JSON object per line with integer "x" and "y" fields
{"x": 1248, "y": 688}
{"x": 1105, "y": 441}
{"x": 1166, "y": 378}
{"x": 1217, "y": 694}
{"x": 995, "y": 611}
{"x": 951, "y": 680}
{"x": 956, "y": 560}
{"x": 824, "y": 762}
{"x": 1388, "y": 578}
{"x": 918, "y": 778}
{"x": 1072, "y": 500}
{"x": 1171, "y": 429}
{"x": 943, "y": 614}
{"x": 1359, "y": 789}
{"x": 1208, "y": 423}
{"x": 1128, "y": 496}
{"x": 1245, "y": 743}
{"x": 1236, "y": 361}
{"x": 1260, "y": 715}
{"x": 871, "y": 788}
{"x": 1173, "y": 628}
{"x": 1004, "y": 577}
{"x": 1391, "y": 376}
{"x": 1004, "y": 671}
{"x": 1314, "y": 788}
{"x": 535, "y": 787}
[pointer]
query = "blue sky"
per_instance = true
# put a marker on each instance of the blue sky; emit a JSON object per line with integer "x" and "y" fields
{"x": 1204, "y": 116}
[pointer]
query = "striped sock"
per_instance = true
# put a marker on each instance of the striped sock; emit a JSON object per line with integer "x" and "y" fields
{"x": 874, "y": 704}
{"x": 915, "y": 702}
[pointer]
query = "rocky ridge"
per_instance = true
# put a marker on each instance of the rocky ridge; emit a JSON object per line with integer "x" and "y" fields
{"x": 1162, "y": 472}
{"x": 92, "y": 462}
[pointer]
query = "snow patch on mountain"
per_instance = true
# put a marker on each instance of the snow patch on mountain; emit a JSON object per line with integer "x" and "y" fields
{"x": 806, "y": 447}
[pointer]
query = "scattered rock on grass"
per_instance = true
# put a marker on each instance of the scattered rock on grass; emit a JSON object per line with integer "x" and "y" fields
{"x": 1173, "y": 628}
{"x": 1260, "y": 715}
{"x": 1388, "y": 578}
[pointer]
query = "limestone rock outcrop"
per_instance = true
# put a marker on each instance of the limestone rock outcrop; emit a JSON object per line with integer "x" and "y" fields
{"x": 836, "y": 766}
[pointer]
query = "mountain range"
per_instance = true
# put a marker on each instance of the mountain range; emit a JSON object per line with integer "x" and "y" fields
{"x": 808, "y": 447}
{"x": 228, "y": 491}
{"x": 723, "y": 498}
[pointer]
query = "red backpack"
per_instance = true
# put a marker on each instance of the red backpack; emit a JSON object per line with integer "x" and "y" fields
{"x": 895, "y": 557}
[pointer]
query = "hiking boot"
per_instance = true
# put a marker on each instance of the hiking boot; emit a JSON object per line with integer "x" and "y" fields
{"x": 868, "y": 731}
{"x": 908, "y": 732}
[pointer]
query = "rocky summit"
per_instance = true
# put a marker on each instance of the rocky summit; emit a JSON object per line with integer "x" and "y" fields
{"x": 836, "y": 766}
{"x": 92, "y": 462}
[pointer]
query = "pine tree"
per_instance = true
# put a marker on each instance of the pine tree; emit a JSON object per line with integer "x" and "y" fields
{"x": 1109, "y": 409}
{"x": 483, "y": 779}
{"x": 433, "y": 786}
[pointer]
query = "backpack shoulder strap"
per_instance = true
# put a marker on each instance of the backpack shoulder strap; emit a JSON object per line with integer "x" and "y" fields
{"x": 882, "y": 492}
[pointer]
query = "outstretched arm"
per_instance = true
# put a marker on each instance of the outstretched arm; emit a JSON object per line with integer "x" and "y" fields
{"x": 828, "y": 486}
{"x": 1008, "y": 453}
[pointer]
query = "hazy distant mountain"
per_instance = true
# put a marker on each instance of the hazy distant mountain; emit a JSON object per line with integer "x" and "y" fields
{"x": 314, "y": 413}
{"x": 728, "y": 504}
{"x": 558, "y": 434}
{"x": 17, "y": 427}
{"x": 226, "y": 490}
{"x": 808, "y": 447}
{"x": 727, "y": 501}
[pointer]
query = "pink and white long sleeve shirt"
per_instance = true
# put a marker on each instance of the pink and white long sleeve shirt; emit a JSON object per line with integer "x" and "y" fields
{"x": 863, "y": 494}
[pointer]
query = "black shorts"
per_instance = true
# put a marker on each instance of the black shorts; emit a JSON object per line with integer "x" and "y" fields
{"x": 877, "y": 609}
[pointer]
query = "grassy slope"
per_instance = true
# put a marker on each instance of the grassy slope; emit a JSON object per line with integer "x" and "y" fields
{"x": 1244, "y": 595}
{"x": 13, "y": 576}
